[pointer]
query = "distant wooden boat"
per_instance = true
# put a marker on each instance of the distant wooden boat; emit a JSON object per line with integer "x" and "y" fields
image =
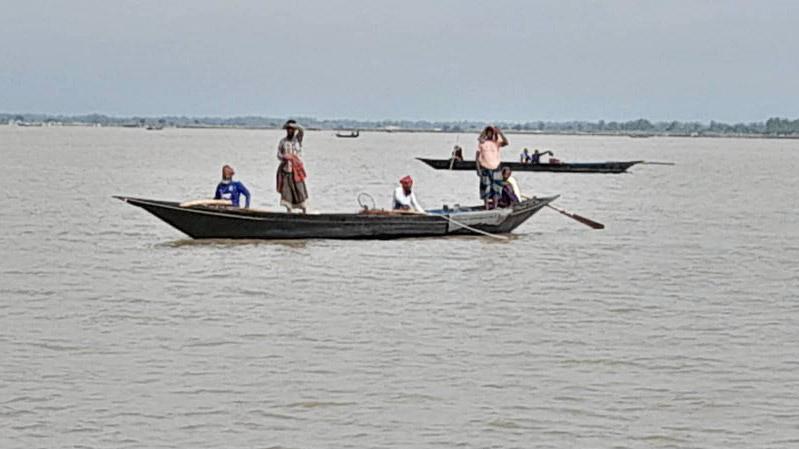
{"x": 563, "y": 167}
{"x": 208, "y": 221}
{"x": 350, "y": 135}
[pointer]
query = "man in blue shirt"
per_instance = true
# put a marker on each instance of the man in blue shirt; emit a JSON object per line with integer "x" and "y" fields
{"x": 231, "y": 190}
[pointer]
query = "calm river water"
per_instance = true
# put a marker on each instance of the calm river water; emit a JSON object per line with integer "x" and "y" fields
{"x": 676, "y": 326}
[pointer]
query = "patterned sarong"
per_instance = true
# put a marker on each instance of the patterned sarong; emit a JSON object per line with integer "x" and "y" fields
{"x": 490, "y": 183}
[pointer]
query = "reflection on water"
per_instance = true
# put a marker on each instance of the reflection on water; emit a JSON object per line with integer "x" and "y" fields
{"x": 675, "y": 326}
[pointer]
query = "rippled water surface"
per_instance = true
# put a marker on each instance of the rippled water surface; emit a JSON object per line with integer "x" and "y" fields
{"x": 676, "y": 326}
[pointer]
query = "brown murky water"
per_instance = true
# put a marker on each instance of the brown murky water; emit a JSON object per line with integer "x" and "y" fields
{"x": 676, "y": 326}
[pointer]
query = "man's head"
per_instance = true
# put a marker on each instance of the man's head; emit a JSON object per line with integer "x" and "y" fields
{"x": 227, "y": 172}
{"x": 506, "y": 172}
{"x": 536, "y": 151}
{"x": 489, "y": 133}
{"x": 406, "y": 183}
{"x": 525, "y": 151}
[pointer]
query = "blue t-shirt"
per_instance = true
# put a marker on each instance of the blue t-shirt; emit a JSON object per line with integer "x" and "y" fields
{"x": 231, "y": 190}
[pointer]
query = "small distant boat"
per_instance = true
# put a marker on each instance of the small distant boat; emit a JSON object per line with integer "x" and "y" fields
{"x": 204, "y": 220}
{"x": 562, "y": 167}
{"x": 350, "y": 135}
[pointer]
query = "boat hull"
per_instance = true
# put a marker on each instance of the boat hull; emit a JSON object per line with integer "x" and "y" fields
{"x": 216, "y": 222}
{"x": 565, "y": 167}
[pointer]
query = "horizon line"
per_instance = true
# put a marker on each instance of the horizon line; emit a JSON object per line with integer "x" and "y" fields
{"x": 326, "y": 119}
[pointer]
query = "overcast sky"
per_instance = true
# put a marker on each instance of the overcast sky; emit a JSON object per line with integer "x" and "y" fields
{"x": 520, "y": 60}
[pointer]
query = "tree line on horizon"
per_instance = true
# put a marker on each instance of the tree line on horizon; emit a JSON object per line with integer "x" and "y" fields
{"x": 775, "y": 126}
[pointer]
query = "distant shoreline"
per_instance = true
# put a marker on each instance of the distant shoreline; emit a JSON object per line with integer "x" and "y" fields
{"x": 773, "y": 128}
{"x": 422, "y": 130}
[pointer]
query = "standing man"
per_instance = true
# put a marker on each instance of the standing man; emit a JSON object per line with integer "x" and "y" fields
{"x": 487, "y": 160}
{"x": 291, "y": 171}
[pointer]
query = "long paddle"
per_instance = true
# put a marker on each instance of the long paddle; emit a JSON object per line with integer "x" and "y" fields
{"x": 657, "y": 163}
{"x": 487, "y": 234}
{"x": 593, "y": 224}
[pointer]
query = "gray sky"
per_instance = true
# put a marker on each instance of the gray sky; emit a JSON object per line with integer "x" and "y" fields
{"x": 730, "y": 60}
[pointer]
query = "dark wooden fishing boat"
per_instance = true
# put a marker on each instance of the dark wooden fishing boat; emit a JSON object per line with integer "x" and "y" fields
{"x": 350, "y": 135}
{"x": 563, "y": 167}
{"x": 225, "y": 222}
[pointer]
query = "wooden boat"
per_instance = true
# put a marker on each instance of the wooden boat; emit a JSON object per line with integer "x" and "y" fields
{"x": 350, "y": 135}
{"x": 225, "y": 222}
{"x": 563, "y": 167}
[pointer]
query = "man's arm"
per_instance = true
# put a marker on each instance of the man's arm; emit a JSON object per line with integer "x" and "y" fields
{"x": 503, "y": 140}
{"x": 246, "y": 193}
{"x": 415, "y": 204}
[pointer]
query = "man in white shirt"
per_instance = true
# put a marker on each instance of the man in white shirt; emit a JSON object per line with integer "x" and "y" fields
{"x": 510, "y": 189}
{"x": 404, "y": 198}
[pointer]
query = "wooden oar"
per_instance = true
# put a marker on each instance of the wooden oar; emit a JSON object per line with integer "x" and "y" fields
{"x": 593, "y": 224}
{"x": 478, "y": 231}
{"x": 658, "y": 163}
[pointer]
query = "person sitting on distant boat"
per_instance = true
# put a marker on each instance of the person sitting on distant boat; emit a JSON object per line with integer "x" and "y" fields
{"x": 404, "y": 198}
{"x": 291, "y": 170}
{"x": 231, "y": 190}
{"x": 487, "y": 159}
{"x": 457, "y": 153}
{"x": 510, "y": 189}
{"x": 524, "y": 157}
{"x": 535, "y": 158}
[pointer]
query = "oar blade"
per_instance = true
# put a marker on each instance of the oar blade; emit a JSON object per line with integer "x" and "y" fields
{"x": 591, "y": 223}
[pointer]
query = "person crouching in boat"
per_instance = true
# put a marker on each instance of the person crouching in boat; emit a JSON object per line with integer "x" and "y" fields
{"x": 457, "y": 153}
{"x": 524, "y": 157}
{"x": 291, "y": 171}
{"x": 231, "y": 190}
{"x": 510, "y": 189}
{"x": 404, "y": 198}
{"x": 487, "y": 159}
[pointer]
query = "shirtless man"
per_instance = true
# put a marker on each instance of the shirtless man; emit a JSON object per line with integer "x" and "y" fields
{"x": 488, "y": 160}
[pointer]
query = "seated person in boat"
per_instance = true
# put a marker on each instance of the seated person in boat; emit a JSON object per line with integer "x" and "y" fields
{"x": 231, "y": 190}
{"x": 457, "y": 153}
{"x": 510, "y": 189}
{"x": 404, "y": 198}
{"x": 488, "y": 159}
{"x": 524, "y": 157}
{"x": 535, "y": 158}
